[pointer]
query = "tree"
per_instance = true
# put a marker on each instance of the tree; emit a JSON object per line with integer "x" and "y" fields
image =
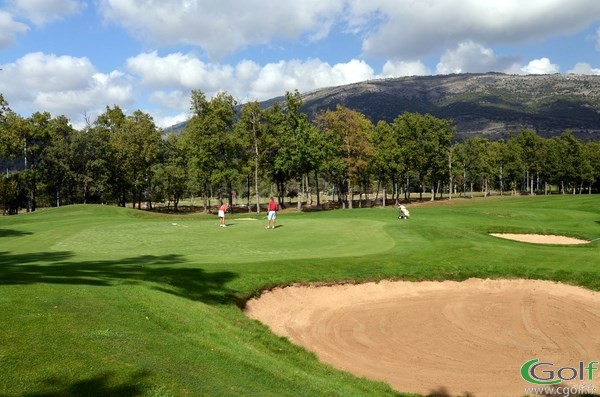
{"x": 252, "y": 125}
{"x": 57, "y": 161}
{"x": 214, "y": 145}
{"x": 351, "y": 134}
{"x": 136, "y": 144}
{"x": 511, "y": 164}
{"x": 532, "y": 157}
{"x": 36, "y": 135}
{"x": 227, "y": 143}
{"x": 94, "y": 166}
{"x": 572, "y": 162}
{"x": 9, "y": 139}
{"x": 425, "y": 142}
{"x": 9, "y": 194}
{"x": 104, "y": 130}
{"x": 274, "y": 140}
{"x": 477, "y": 163}
{"x": 296, "y": 157}
{"x": 386, "y": 159}
{"x": 592, "y": 153}
{"x": 170, "y": 175}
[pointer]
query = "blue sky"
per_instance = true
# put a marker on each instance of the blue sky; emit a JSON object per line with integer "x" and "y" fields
{"x": 75, "y": 58}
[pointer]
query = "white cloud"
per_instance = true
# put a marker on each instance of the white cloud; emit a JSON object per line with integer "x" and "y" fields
{"x": 71, "y": 86}
{"x": 174, "y": 100}
{"x": 41, "y": 12}
{"x": 179, "y": 70}
{"x": 274, "y": 79}
{"x": 394, "y": 29}
{"x": 168, "y": 121}
{"x": 48, "y": 72}
{"x": 471, "y": 57}
{"x": 403, "y": 68}
{"x": 246, "y": 81}
{"x": 62, "y": 85}
{"x": 225, "y": 26}
{"x": 412, "y": 30}
{"x": 584, "y": 68}
{"x": 540, "y": 66}
{"x": 9, "y": 29}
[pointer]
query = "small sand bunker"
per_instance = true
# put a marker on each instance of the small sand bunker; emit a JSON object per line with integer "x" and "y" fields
{"x": 540, "y": 238}
{"x": 444, "y": 338}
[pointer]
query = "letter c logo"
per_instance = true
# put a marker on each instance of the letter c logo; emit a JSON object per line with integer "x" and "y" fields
{"x": 528, "y": 373}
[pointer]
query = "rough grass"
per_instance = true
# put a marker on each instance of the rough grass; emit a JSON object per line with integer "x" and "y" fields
{"x": 108, "y": 301}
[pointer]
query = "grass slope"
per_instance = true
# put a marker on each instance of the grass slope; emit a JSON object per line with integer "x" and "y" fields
{"x": 108, "y": 301}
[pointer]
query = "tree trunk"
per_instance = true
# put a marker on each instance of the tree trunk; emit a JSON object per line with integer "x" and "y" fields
{"x": 256, "y": 177}
{"x": 317, "y": 189}
{"x": 206, "y": 200}
{"x": 300, "y": 192}
{"x": 501, "y": 182}
{"x": 450, "y": 174}
{"x": 248, "y": 204}
{"x": 349, "y": 194}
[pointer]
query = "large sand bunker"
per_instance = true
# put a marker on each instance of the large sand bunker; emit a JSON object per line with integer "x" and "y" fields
{"x": 444, "y": 338}
{"x": 540, "y": 238}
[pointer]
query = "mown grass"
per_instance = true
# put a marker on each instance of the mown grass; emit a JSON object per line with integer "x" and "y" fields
{"x": 108, "y": 301}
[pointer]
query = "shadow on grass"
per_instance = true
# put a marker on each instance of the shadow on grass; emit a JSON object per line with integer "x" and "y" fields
{"x": 59, "y": 268}
{"x": 12, "y": 233}
{"x": 100, "y": 385}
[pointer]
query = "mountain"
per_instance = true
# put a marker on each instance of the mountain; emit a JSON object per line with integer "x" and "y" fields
{"x": 489, "y": 104}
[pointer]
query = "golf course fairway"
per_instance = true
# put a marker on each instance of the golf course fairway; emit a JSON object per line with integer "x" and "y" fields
{"x": 101, "y": 300}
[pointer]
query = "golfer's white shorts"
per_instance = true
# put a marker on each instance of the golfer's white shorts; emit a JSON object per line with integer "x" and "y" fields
{"x": 221, "y": 214}
{"x": 272, "y": 215}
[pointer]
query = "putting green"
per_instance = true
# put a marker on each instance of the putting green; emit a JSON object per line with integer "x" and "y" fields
{"x": 204, "y": 241}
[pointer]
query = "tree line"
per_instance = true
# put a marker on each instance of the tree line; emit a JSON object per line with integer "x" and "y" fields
{"x": 250, "y": 152}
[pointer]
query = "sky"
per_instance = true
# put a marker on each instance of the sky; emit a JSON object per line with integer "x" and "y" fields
{"x": 76, "y": 58}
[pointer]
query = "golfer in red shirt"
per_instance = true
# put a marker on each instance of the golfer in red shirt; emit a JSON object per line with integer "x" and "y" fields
{"x": 272, "y": 214}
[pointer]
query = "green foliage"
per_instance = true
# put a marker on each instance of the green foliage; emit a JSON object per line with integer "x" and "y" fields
{"x": 214, "y": 144}
{"x": 349, "y": 136}
{"x": 170, "y": 174}
{"x": 136, "y": 143}
{"x": 223, "y": 153}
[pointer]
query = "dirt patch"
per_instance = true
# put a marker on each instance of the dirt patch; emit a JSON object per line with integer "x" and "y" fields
{"x": 245, "y": 219}
{"x": 443, "y": 338}
{"x": 540, "y": 238}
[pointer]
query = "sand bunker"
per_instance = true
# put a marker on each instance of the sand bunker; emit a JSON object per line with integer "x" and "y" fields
{"x": 444, "y": 338}
{"x": 540, "y": 238}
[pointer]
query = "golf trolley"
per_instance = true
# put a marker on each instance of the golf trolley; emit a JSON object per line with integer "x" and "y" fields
{"x": 403, "y": 212}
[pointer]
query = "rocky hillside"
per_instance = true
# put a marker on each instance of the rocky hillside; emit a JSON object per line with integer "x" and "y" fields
{"x": 490, "y": 104}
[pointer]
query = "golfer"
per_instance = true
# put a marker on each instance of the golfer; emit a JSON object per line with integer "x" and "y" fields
{"x": 222, "y": 209}
{"x": 272, "y": 214}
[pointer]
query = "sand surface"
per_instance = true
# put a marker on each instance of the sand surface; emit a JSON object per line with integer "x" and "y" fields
{"x": 444, "y": 338}
{"x": 540, "y": 238}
